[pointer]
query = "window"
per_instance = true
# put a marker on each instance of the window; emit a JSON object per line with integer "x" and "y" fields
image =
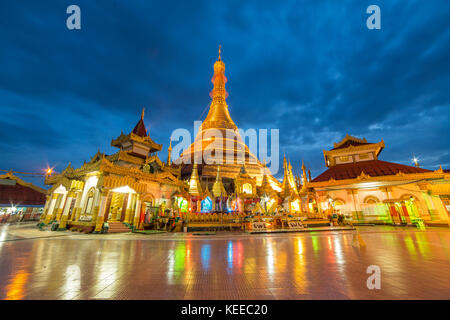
{"x": 364, "y": 156}
{"x": 89, "y": 202}
{"x": 247, "y": 188}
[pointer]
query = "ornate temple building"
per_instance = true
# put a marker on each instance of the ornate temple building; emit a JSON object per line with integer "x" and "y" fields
{"x": 365, "y": 189}
{"x": 219, "y": 181}
{"x": 118, "y": 189}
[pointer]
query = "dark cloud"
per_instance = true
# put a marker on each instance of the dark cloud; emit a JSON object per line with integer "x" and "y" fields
{"x": 311, "y": 69}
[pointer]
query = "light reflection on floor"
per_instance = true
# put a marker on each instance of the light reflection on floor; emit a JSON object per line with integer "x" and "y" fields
{"x": 414, "y": 264}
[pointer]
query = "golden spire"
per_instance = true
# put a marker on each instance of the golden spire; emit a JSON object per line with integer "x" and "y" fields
{"x": 286, "y": 186}
{"x": 291, "y": 178}
{"x": 220, "y": 47}
{"x": 218, "y": 189}
{"x": 218, "y": 115}
{"x": 169, "y": 152}
{"x": 195, "y": 187}
{"x": 304, "y": 180}
{"x": 142, "y": 114}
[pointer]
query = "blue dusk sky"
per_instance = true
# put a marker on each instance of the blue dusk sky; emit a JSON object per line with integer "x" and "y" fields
{"x": 311, "y": 69}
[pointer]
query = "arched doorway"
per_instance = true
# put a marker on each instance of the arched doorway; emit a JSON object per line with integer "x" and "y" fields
{"x": 149, "y": 209}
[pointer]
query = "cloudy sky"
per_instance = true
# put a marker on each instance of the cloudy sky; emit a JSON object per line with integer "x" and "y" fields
{"x": 311, "y": 69}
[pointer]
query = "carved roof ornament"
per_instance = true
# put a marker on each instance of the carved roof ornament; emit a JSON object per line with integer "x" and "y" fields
{"x": 363, "y": 176}
{"x": 348, "y": 138}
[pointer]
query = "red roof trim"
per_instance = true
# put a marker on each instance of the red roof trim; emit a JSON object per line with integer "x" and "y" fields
{"x": 373, "y": 168}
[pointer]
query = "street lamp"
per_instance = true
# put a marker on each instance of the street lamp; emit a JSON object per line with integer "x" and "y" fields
{"x": 416, "y": 161}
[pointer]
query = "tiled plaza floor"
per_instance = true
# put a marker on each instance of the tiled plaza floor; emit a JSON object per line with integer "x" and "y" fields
{"x": 324, "y": 265}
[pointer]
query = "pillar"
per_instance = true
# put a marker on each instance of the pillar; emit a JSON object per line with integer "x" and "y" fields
{"x": 137, "y": 211}
{"x": 97, "y": 202}
{"x": 73, "y": 215}
{"x": 130, "y": 205}
{"x": 102, "y": 211}
{"x": 51, "y": 208}
{"x": 112, "y": 215}
{"x": 65, "y": 214}
{"x": 61, "y": 207}
{"x": 44, "y": 213}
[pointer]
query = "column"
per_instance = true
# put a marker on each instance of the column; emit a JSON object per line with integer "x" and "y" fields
{"x": 130, "y": 205}
{"x": 77, "y": 206}
{"x": 114, "y": 206}
{"x": 61, "y": 207}
{"x": 51, "y": 208}
{"x": 102, "y": 211}
{"x": 65, "y": 214}
{"x": 137, "y": 211}
{"x": 97, "y": 203}
{"x": 44, "y": 213}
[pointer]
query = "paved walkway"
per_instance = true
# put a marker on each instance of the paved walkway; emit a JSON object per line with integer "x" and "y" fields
{"x": 324, "y": 265}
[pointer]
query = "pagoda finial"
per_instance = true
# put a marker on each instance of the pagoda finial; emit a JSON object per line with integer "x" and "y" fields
{"x": 220, "y": 50}
{"x": 142, "y": 114}
{"x": 304, "y": 177}
{"x": 195, "y": 187}
{"x": 169, "y": 153}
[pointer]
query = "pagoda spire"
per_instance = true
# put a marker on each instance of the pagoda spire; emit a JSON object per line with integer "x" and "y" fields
{"x": 195, "y": 187}
{"x": 140, "y": 129}
{"x": 169, "y": 153}
{"x": 266, "y": 188}
{"x": 285, "y": 184}
{"x": 291, "y": 178}
{"x": 304, "y": 179}
{"x": 218, "y": 189}
{"x": 218, "y": 115}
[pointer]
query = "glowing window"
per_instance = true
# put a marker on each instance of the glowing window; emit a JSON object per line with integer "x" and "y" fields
{"x": 364, "y": 156}
{"x": 247, "y": 188}
{"x": 182, "y": 204}
{"x": 206, "y": 205}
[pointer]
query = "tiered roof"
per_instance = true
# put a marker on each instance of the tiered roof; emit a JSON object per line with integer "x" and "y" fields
{"x": 15, "y": 191}
{"x": 373, "y": 168}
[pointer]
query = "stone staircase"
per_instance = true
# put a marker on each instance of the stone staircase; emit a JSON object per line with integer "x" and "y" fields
{"x": 117, "y": 227}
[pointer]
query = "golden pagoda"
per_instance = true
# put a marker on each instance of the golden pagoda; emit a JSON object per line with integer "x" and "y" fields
{"x": 218, "y": 142}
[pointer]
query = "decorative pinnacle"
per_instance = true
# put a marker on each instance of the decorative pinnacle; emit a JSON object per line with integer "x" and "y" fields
{"x": 220, "y": 49}
{"x": 142, "y": 114}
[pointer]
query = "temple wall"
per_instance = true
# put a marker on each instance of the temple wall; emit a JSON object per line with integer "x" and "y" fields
{"x": 161, "y": 193}
{"x": 370, "y": 204}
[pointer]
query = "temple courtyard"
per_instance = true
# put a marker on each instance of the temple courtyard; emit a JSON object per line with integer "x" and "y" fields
{"x": 34, "y": 264}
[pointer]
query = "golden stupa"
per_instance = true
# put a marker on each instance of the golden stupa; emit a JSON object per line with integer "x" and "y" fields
{"x": 218, "y": 142}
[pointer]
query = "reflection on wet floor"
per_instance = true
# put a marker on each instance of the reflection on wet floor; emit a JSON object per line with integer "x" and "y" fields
{"x": 294, "y": 266}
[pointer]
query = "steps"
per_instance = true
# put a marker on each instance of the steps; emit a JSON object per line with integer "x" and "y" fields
{"x": 117, "y": 227}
